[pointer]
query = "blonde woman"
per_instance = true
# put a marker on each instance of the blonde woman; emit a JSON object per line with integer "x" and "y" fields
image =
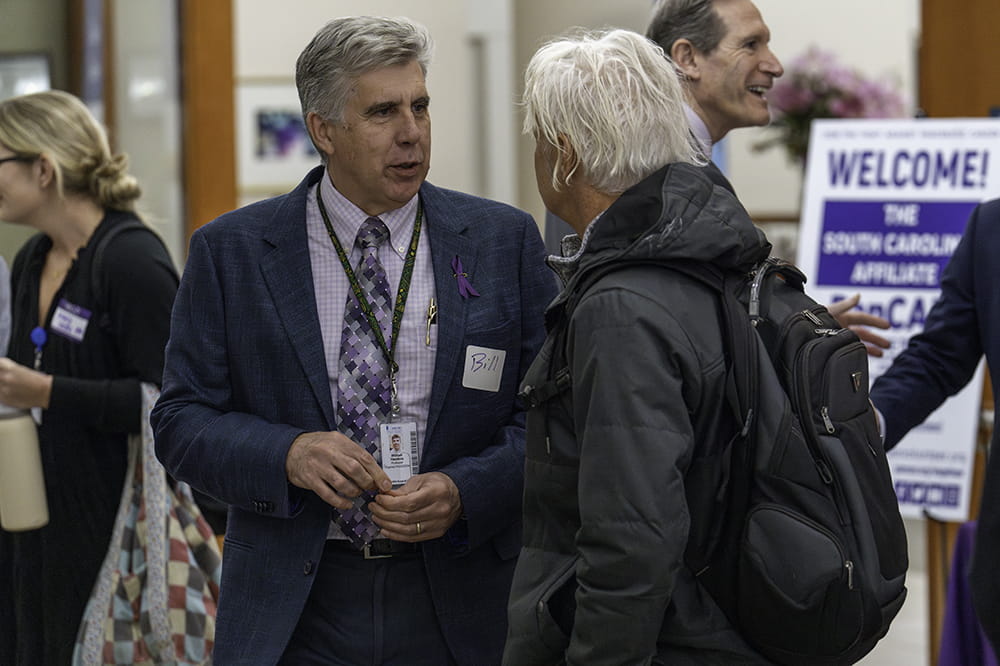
{"x": 85, "y": 332}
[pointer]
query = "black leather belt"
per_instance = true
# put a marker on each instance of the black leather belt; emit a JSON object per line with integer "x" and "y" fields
{"x": 377, "y": 549}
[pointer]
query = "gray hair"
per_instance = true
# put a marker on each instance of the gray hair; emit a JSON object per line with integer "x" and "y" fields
{"x": 348, "y": 47}
{"x": 618, "y": 101}
{"x": 693, "y": 20}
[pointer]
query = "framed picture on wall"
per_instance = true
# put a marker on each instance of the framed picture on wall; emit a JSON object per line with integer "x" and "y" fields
{"x": 273, "y": 150}
{"x": 23, "y": 73}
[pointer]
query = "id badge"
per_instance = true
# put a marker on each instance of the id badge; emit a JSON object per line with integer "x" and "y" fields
{"x": 70, "y": 320}
{"x": 399, "y": 450}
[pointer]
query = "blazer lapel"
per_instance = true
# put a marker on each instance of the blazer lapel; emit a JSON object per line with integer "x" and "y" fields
{"x": 446, "y": 230}
{"x": 288, "y": 273}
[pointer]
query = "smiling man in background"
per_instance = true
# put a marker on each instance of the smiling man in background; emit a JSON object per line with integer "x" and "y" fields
{"x": 722, "y": 49}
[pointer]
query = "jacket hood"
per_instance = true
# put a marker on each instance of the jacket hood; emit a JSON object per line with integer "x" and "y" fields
{"x": 676, "y": 213}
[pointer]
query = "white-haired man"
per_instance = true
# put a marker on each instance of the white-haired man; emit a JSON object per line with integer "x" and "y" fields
{"x": 625, "y": 393}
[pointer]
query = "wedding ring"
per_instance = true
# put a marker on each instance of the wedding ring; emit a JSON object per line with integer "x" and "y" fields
{"x": 419, "y": 529}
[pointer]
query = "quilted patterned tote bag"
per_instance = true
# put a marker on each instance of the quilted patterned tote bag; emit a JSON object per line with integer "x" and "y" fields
{"x": 155, "y": 599}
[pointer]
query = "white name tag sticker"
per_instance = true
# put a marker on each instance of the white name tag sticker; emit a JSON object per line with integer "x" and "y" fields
{"x": 483, "y": 368}
{"x": 70, "y": 321}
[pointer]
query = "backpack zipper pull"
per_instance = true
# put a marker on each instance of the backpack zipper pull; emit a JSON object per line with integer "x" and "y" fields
{"x": 825, "y": 413}
{"x": 808, "y": 314}
{"x": 850, "y": 574}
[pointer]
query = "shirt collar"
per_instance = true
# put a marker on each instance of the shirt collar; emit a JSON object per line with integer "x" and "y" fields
{"x": 572, "y": 248}
{"x": 347, "y": 218}
{"x": 700, "y": 130}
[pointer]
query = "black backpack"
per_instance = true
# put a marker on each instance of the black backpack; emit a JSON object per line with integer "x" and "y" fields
{"x": 795, "y": 525}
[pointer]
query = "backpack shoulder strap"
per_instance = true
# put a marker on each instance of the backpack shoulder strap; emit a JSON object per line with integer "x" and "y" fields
{"x": 98, "y": 277}
{"x": 738, "y": 335}
{"x": 744, "y": 355}
{"x": 560, "y": 378}
{"x": 739, "y": 339}
{"x": 788, "y": 272}
{"x": 97, "y": 263}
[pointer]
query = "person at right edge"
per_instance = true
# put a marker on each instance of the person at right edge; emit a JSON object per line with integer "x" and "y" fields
{"x": 722, "y": 50}
{"x": 937, "y": 363}
{"x": 602, "y": 577}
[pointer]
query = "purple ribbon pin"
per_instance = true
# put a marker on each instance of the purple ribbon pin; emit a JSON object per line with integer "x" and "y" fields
{"x": 465, "y": 287}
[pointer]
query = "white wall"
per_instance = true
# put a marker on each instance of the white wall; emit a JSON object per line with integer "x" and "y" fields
{"x": 536, "y": 22}
{"x": 148, "y": 113}
{"x": 32, "y": 26}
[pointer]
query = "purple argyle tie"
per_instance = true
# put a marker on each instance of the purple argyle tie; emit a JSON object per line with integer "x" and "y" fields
{"x": 363, "y": 380}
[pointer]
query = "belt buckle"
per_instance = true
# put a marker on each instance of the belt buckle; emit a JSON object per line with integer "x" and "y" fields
{"x": 367, "y": 551}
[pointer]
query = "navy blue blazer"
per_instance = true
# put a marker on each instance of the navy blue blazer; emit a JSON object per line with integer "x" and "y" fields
{"x": 962, "y": 326}
{"x": 245, "y": 375}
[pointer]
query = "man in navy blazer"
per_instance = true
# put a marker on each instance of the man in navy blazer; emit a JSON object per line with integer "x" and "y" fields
{"x": 249, "y": 409}
{"x": 963, "y": 325}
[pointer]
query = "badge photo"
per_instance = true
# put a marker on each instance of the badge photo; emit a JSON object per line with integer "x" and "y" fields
{"x": 399, "y": 450}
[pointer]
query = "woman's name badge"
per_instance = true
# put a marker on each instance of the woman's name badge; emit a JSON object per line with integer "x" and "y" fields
{"x": 70, "y": 321}
{"x": 399, "y": 450}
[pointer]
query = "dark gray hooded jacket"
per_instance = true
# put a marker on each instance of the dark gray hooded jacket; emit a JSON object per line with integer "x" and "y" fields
{"x": 601, "y": 578}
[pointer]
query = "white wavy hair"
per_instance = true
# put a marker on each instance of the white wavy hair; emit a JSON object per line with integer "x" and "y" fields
{"x": 617, "y": 99}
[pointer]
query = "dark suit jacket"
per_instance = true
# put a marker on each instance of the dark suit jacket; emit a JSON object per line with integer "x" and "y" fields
{"x": 962, "y": 326}
{"x": 245, "y": 374}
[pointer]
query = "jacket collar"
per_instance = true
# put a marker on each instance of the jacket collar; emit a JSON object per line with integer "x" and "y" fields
{"x": 677, "y": 213}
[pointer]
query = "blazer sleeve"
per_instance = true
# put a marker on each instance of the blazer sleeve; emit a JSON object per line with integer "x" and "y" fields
{"x": 236, "y": 457}
{"x": 939, "y": 361}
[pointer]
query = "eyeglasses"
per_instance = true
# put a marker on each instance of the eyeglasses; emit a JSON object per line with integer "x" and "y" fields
{"x": 16, "y": 158}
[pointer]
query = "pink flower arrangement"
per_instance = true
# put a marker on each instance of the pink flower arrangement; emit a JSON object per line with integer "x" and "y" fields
{"x": 815, "y": 85}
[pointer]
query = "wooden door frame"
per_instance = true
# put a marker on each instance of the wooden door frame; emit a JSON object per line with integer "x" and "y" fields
{"x": 208, "y": 111}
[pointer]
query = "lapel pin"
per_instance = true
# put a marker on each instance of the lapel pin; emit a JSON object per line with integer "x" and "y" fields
{"x": 465, "y": 287}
